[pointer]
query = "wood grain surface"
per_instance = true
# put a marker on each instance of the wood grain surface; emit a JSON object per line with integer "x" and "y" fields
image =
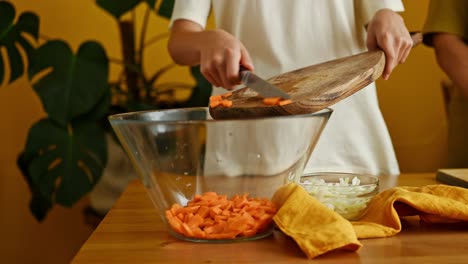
{"x": 132, "y": 232}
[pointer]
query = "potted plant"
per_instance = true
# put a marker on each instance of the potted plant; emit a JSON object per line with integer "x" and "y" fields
{"x": 65, "y": 153}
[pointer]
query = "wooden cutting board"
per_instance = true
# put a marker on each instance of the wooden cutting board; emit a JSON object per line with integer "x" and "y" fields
{"x": 311, "y": 88}
{"x": 456, "y": 177}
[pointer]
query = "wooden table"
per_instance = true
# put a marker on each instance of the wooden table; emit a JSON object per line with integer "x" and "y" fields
{"x": 132, "y": 232}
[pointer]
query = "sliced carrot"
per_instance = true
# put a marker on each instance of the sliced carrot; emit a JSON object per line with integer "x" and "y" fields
{"x": 197, "y": 232}
{"x": 208, "y": 222}
{"x": 230, "y": 235}
{"x": 226, "y": 103}
{"x": 187, "y": 230}
{"x": 190, "y": 209}
{"x": 214, "y": 104}
{"x": 195, "y": 221}
{"x": 271, "y": 100}
{"x": 175, "y": 209}
{"x": 214, "y": 216}
{"x": 181, "y": 216}
{"x": 284, "y": 102}
{"x": 188, "y": 217}
{"x": 219, "y": 100}
{"x": 249, "y": 233}
{"x": 204, "y": 211}
{"x": 214, "y": 211}
{"x": 216, "y": 98}
{"x": 276, "y": 101}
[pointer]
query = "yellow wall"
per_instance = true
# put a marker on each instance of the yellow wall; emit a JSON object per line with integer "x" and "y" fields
{"x": 411, "y": 102}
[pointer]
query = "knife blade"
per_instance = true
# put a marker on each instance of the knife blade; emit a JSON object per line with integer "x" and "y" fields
{"x": 264, "y": 88}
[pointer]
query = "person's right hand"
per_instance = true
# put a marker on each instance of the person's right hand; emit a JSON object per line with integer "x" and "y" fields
{"x": 220, "y": 57}
{"x": 217, "y": 52}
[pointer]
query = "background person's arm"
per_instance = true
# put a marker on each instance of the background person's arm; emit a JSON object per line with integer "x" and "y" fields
{"x": 217, "y": 52}
{"x": 452, "y": 57}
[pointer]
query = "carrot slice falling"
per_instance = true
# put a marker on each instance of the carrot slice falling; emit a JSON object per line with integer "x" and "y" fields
{"x": 220, "y": 100}
{"x": 271, "y": 100}
{"x": 284, "y": 102}
{"x": 213, "y": 216}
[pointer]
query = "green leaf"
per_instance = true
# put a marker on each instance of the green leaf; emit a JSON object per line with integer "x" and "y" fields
{"x": 16, "y": 62}
{"x": 100, "y": 110}
{"x": 166, "y": 7}
{"x": 39, "y": 204}
{"x": 13, "y": 41}
{"x": 119, "y": 7}
{"x": 2, "y": 69}
{"x": 75, "y": 83}
{"x": 26, "y": 46}
{"x": 7, "y": 17}
{"x": 64, "y": 164}
{"x": 151, "y": 3}
{"x": 201, "y": 92}
{"x": 29, "y": 22}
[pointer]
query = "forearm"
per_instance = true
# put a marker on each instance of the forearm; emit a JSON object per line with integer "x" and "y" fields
{"x": 452, "y": 56}
{"x": 185, "y": 42}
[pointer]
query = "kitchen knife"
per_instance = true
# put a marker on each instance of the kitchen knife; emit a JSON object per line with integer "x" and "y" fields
{"x": 264, "y": 88}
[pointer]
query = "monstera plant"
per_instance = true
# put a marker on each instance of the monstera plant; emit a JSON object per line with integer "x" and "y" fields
{"x": 65, "y": 153}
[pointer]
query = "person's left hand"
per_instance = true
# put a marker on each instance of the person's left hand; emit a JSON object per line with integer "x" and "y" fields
{"x": 388, "y": 32}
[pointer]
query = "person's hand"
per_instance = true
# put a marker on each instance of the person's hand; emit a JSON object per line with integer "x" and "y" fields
{"x": 388, "y": 32}
{"x": 220, "y": 57}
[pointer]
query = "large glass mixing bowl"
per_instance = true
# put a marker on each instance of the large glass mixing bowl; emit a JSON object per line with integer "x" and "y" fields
{"x": 181, "y": 154}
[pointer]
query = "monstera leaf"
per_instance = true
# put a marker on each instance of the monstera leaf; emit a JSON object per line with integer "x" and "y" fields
{"x": 120, "y": 7}
{"x": 202, "y": 90}
{"x": 81, "y": 145}
{"x": 63, "y": 163}
{"x": 65, "y": 154}
{"x": 13, "y": 40}
{"x": 165, "y": 9}
{"x": 74, "y": 82}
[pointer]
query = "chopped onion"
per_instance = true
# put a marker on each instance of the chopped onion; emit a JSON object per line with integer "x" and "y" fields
{"x": 345, "y": 197}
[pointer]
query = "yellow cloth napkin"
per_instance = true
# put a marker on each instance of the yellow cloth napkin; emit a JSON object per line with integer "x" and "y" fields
{"x": 433, "y": 203}
{"x": 314, "y": 227}
{"x": 317, "y": 229}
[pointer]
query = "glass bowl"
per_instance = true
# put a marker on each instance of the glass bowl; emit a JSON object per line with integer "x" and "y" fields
{"x": 181, "y": 154}
{"x": 348, "y": 194}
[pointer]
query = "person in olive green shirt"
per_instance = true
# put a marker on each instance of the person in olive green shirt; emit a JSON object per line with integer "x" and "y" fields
{"x": 446, "y": 30}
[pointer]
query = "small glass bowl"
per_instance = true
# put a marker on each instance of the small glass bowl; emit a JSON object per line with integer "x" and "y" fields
{"x": 347, "y": 194}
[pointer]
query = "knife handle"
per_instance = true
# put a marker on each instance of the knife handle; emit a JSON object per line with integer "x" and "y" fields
{"x": 242, "y": 68}
{"x": 417, "y": 37}
{"x": 243, "y": 73}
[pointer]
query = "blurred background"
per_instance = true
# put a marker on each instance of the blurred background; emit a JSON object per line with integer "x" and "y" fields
{"x": 412, "y": 103}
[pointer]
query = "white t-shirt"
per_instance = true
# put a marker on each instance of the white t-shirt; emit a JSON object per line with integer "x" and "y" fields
{"x": 285, "y": 35}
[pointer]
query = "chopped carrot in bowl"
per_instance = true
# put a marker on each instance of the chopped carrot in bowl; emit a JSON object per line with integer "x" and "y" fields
{"x": 213, "y": 216}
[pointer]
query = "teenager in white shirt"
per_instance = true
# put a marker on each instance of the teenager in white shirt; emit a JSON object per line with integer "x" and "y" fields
{"x": 271, "y": 37}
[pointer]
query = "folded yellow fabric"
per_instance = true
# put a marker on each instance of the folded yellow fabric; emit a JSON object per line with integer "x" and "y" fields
{"x": 433, "y": 203}
{"x": 317, "y": 229}
{"x": 314, "y": 227}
